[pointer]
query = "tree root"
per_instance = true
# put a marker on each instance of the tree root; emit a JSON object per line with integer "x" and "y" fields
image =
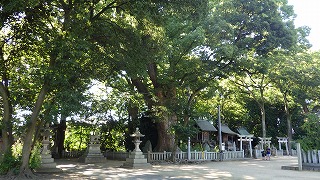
{"x": 25, "y": 174}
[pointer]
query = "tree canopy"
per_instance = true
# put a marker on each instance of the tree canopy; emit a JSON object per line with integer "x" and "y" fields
{"x": 164, "y": 64}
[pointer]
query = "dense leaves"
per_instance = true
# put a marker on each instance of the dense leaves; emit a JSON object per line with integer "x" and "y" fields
{"x": 165, "y": 63}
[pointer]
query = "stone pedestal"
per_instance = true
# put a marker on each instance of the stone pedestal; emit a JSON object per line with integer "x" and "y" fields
{"x": 136, "y": 158}
{"x": 93, "y": 153}
{"x": 47, "y": 161}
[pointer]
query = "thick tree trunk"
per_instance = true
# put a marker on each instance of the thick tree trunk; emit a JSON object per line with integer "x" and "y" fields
{"x": 165, "y": 95}
{"x": 27, "y": 143}
{"x": 61, "y": 135}
{"x": 165, "y": 138}
{"x": 263, "y": 120}
{"x": 7, "y": 136}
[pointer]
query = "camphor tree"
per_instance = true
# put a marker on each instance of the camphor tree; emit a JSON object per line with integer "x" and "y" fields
{"x": 151, "y": 44}
{"x": 155, "y": 56}
{"x": 164, "y": 55}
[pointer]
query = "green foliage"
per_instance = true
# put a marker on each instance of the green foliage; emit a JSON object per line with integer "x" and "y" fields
{"x": 112, "y": 136}
{"x": 9, "y": 163}
{"x": 171, "y": 52}
{"x": 183, "y": 132}
{"x": 35, "y": 157}
{"x": 311, "y": 126}
{"x": 77, "y": 136}
{"x": 197, "y": 147}
{"x": 11, "y": 160}
{"x": 17, "y": 149}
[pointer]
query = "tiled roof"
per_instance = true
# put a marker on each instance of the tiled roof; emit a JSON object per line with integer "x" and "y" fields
{"x": 205, "y": 125}
{"x": 227, "y": 130}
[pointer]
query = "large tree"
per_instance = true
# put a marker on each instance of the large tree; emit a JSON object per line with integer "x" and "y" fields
{"x": 296, "y": 78}
{"x": 250, "y": 33}
{"x": 47, "y": 46}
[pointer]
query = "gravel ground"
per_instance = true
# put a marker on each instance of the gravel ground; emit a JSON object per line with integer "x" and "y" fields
{"x": 241, "y": 169}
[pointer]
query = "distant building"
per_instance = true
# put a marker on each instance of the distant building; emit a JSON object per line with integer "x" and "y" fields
{"x": 207, "y": 131}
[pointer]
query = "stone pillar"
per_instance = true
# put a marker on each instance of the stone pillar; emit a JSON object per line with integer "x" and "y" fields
{"x": 299, "y": 157}
{"x": 250, "y": 147}
{"x": 93, "y": 153}
{"x": 287, "y": 148}
{"x": 136, "y": 158}
{"x": 279, "y": 145}
{"x": 265, "y": 141}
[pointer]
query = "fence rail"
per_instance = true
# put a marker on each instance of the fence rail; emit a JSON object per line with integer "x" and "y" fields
{"x": 194, "y": 155}
{"x": 311, "y": 158}
{"x": 274, "y": 152}
{"x": 72, "y": 154}
{"x": 183, "y": 156}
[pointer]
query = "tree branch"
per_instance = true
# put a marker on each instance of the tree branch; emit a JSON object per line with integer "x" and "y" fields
{"x": 109, "y": 6}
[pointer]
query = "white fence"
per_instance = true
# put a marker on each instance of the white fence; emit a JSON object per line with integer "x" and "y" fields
{"x": 310, "y": 158}
{"x": 182, "y": 156}
{"x": 274, "y": 152}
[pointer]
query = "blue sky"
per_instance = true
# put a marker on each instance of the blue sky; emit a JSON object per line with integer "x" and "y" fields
{"x": 308, "y": 14}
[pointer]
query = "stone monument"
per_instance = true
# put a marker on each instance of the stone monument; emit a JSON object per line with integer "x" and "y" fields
{"x": 136, "y": 158}
{"x": 93, "y": 153}
{"x": 47, "y": 162}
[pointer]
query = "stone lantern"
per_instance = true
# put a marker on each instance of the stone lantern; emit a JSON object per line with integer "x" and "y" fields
{"x": 136, "y": 139}
{"x": 47, "y": 162}
{"x": 136, "y": 158}
{"x": 46, "y": 134}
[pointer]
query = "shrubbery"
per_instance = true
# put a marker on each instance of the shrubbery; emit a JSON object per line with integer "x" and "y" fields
{"x": 311, "y": 139}
{"x": 11, "y": 161}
